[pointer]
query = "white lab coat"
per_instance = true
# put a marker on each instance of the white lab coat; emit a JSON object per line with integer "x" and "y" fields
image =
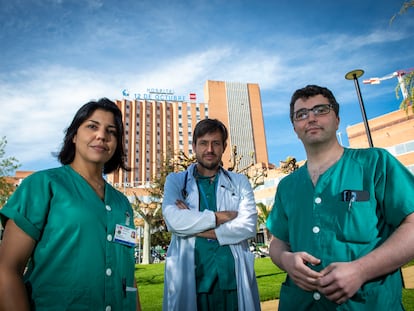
{"x": 234, "y": 193}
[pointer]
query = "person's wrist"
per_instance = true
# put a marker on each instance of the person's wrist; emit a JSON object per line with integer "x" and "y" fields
{"x": 283, "y": 257}
{"x": 361, "y": 270}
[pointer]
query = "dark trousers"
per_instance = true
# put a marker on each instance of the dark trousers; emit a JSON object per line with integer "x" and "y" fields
{"x": 217, "y": 299}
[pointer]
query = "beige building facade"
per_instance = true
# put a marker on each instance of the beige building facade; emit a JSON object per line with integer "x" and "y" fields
{"x": 393, "y": 131}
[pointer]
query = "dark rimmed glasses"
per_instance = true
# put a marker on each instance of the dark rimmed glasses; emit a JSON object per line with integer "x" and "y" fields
{"x": 318, "y": 110}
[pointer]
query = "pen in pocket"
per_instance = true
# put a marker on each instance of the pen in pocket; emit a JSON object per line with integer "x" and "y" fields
{"x": 124, "y": 287}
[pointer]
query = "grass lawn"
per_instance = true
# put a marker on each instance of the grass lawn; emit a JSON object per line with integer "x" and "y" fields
{"x": 269, "y": 278}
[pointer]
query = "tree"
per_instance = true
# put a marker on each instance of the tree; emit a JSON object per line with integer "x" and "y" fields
{"x": 155, "y": 229}
{"x": 407, "y": 82}
{"x": 263, "y": 212}
{"x": 148, "y": 212}
{"x": 7, "y": 166}
{"x": 404, "y": 8}
{"x": 289, "y": 165}
{"x": 254, "y": 172}
{"x": 173, "y": 162}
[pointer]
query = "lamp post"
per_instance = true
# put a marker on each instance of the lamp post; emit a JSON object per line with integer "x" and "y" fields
{"x": 354, "y": 75}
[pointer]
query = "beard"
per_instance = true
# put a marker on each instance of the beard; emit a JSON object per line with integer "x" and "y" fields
{"x": 208, "y": 165}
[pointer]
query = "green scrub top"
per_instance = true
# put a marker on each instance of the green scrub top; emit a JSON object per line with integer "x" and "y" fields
{"x": 212, "y": 261}
{"x": 317, "y": 220}
{"x": 76, "y": 265}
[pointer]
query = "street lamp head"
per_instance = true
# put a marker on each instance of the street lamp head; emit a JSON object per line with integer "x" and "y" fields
{"x": 354, "y": 74}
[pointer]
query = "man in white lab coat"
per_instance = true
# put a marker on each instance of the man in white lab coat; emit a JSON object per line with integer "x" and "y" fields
{"x": 211, "y": 213}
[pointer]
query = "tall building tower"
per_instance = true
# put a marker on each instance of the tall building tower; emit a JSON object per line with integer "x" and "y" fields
{"x": 239, "y": 107}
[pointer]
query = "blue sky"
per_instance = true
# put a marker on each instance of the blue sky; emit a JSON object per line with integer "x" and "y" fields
{"x": 58, "y": 54}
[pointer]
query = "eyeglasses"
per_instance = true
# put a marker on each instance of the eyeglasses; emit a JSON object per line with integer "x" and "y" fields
{"x": 318, "y": 110}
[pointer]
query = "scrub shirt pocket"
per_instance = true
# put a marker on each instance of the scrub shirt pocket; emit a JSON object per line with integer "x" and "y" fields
{"x": 233, "y": 203}
{"x": 51, "y": 298}
{"x": 357, "y": 222}
{"x": 130, "y": 299}
{"x": 294, "y": 299}
{"x": 381, "y": 297}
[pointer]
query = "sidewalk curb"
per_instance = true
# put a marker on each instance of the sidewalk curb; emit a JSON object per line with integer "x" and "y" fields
{"x": 408, "y": 276}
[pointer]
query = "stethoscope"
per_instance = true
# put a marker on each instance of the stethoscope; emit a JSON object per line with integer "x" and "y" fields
{"x": 184, "y": 189}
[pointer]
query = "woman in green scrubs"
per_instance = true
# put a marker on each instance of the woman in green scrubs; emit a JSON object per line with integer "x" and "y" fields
{"x": 67, "y": 241}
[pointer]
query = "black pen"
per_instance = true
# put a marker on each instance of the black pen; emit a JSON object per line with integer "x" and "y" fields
{"x": 124, "y": 286}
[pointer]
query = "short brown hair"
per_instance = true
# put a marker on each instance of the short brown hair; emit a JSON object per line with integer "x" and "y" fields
{"x": 210, "y": 126}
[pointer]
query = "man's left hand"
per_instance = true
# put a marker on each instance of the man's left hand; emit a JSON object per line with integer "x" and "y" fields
{"x": 181, "y": 204}
{"x": 340, "y": 281}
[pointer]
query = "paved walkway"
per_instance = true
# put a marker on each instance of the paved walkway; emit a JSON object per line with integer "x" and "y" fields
{"x": 408, "y": 275}
{"x": 270, "y": 305}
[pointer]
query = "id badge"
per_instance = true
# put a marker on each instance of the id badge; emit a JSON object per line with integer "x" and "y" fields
{"x": 125, "y": 235}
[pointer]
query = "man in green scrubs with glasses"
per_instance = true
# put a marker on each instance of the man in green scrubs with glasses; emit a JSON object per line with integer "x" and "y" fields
{"x": 343, "y": 223}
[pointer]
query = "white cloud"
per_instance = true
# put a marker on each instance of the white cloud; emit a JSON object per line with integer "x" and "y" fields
{"x": 38, "y": 108}
{"x": 137, "y": 50}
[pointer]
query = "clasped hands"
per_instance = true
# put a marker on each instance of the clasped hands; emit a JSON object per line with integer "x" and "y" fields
{"x": 338, "y": 282}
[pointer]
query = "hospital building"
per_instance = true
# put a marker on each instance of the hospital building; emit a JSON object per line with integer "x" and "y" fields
{"x": 159, "y": 124}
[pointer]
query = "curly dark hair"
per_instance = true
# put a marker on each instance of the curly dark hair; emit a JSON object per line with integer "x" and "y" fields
{"x": 67, "y": 153}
